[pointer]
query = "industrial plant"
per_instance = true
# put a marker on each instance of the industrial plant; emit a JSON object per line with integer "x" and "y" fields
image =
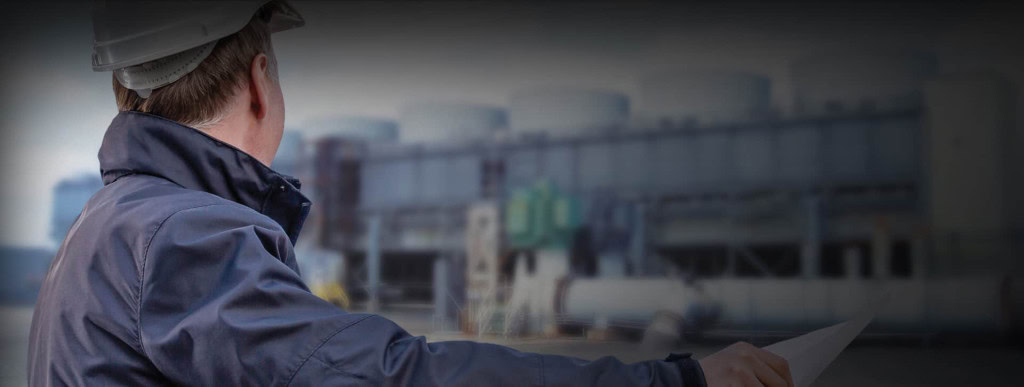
{"x": 696, "y": 207}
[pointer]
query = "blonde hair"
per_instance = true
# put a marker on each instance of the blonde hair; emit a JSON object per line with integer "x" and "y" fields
{"x": 199, "y": 99}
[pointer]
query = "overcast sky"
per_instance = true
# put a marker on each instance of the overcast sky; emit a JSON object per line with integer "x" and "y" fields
{"x": 371, "y": 58}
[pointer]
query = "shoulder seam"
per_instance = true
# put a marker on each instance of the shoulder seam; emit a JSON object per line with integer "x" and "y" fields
{"x": 142, "y": 273}
{"x": 322, "y": 342}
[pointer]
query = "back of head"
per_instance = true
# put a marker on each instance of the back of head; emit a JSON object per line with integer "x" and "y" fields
{"x": 199, "y": 98}
{"x": 185, "y": 60}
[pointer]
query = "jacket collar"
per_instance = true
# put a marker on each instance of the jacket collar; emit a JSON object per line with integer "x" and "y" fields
{"x": 140, "y": 143}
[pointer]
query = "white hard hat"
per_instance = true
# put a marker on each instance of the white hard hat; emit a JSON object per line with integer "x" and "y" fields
{"x": 149, "y": 44}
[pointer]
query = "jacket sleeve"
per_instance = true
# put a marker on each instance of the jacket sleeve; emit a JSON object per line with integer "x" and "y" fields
{"x": 221, "y": 304}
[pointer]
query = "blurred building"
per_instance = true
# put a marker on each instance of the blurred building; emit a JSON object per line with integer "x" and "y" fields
{"x": 291, "y": 158}
{"x": 884, "y": 171}
{"x": 24, "y": 269}
{"x": 69, "y": 197}
{"x": 974, "y": 175}
{"x": 705, "y": 97}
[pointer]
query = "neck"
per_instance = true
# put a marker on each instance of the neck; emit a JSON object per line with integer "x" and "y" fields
{"x": 240, "y": 131}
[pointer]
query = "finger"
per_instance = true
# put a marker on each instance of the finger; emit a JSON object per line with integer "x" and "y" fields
{"x": 777, "y": 363}
{"x": 766, "y": 374}
{"x": 748, "y": 379}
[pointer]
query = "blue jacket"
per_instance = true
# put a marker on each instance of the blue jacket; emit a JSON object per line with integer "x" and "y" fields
{"x": 181, "y": 270}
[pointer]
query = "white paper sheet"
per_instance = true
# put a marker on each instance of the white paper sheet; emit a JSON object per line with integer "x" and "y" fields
{"x": 808, "y": 355}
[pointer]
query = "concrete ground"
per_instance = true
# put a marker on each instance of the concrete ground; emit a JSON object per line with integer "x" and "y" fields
{"x": 862, "y": 364}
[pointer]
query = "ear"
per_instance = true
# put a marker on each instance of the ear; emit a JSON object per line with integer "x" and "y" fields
{"x": 259, "y": 86}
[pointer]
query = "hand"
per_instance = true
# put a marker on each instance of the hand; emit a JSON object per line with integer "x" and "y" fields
{"x": 742, "y": 364}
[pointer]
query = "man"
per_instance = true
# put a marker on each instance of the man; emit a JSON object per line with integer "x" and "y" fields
{"x": 181, "y": 270}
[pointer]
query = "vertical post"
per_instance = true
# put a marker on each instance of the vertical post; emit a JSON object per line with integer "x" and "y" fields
{"x": 811, "y": 254}
{"x": 373, "y": 262}
{"x": 851, "y": 262}
{"x": 732, "y": 242}
{"x": 638, "y": 241}
{"x": 730, "y": 259}
{"x": 918, "y": 256}
{"x": 441, "y": 292}
{"x": 880, "y": 250}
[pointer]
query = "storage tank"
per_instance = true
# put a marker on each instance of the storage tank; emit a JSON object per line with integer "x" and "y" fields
{"x": 560, "y": 112}
{"x": 366, "y": 128}
{"x": 852, "y": 81}
{"x": 704, "y": 97}
{"x": 447, "y": 122}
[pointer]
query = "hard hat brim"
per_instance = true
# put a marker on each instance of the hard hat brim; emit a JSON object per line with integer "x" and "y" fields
{"x": 122, "y": 42}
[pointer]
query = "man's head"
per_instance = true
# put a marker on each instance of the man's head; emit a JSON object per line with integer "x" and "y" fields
{"x": 233, "y": 94}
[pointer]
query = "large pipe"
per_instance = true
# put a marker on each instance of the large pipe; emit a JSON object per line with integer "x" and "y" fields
{"x": 913, "y": 305}
{"x": 977, "y": 305}
{"x": 629, "y": 300}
